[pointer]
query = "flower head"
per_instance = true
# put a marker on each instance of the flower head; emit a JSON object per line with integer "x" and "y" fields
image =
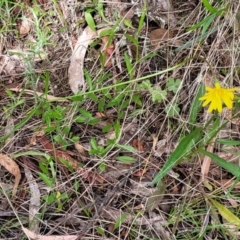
{"x": 217, "y": 96}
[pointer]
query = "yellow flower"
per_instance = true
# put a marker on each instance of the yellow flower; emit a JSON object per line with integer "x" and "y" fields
{"x": 217, "y": 96}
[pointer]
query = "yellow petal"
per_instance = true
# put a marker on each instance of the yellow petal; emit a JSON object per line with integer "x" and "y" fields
{"x": 209, "y": 89}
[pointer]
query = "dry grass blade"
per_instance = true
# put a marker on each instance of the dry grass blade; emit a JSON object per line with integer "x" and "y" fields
{"x": 206, "y": 164}
{"x": 46, "y": 96}
{"x": 13, "y": 168}
{"x": 34, "y": 200}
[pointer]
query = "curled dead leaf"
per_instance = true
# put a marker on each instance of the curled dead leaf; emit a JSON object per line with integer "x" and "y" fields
{"x": 24, "y": 26}
{"x": 13, "y": 168}
{"x": 80, "y": 149}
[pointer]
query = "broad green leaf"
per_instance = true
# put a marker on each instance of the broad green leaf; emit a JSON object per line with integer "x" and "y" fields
{"x": 184, "y": 147}
{"x": 106, "y": 32}
{"x": 127, "y": 23}
{"x": 207, "y": 24}
{"x": 107, "y": 128}
{"x": 126, "y": 147}
{"x": 50, "y": 198}
{"x": 129, "y": 65}
{"x": 101, "y": 105}
{"x": 143, "y": 86}
{"x": 94, "y": 144}
{"x": 195, "y": 106}
{"x": 136, "y": 98}
{"x": 44, "y": 167}
{"x": 131, "y": 39}
{"x": 66, "y": 163}
{"x": 117, "y": 129}
{"x": 226, "y": 213}
{"x": 126, "y": 159}
{"x": 85, "y": 113}
{"x": 46, "y": 179}
{"x": 229, "y": 142}
{"x": 173, "y": 85}
{"x": 158, "y": 95}
{"x": 228, "y": 166}
{"x": 89, "y": 19}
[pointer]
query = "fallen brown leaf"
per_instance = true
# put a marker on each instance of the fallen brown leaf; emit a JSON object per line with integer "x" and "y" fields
{"x": 157, "y": 35}
{"x": 48, "y": 97}
{"x": 24, "y": 26}
{"x": 107, "y": 49}
{"x": 138, "y": 145}
{"x": 13, "y": 168}
{"x": 90, "y": 176}
{"x": 75, "y": 71}
{"x": 140, "y": 173}
{"x": 80, "y": 149}
{"x": 35, "y": 236}
{"x": 100, "y": 115}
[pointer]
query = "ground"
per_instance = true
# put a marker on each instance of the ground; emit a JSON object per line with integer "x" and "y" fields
{"x": 102, "y": 133}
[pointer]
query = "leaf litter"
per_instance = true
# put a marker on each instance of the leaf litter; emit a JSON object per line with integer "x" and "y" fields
{"x": 12, "y": 168}
{"x": 98, "y": 189}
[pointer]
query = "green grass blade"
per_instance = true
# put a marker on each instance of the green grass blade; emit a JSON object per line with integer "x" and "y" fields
{"x": 228, "y": 142}
{"x": 228, "y": 166}
{"x": 129, "y": 65}
{"x": 226, "y": 213}
{"x": 207, "y": 24}
{"x": 119, "y": 221}
{"x": 209, "y": 7}
{"x": 196, "y": 105}
{"x": 201, "y": 23}
{"x": 32, "y": 153}
{"x": 183, "y": 148}
{"x": 197, "y": 39}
